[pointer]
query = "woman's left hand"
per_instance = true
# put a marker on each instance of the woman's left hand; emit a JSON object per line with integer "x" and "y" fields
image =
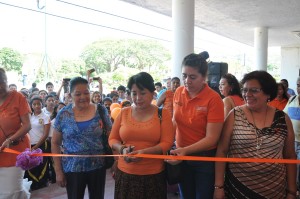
{"x": 129, "y": 159}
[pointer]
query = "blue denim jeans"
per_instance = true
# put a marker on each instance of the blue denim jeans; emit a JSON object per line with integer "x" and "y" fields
{"x": 297, "y": 149}
{"x": 199, "y": 178}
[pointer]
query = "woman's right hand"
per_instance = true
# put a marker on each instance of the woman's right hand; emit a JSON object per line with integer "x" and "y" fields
{"x": 219, "y": 194}
{"x": 61, "y": 179}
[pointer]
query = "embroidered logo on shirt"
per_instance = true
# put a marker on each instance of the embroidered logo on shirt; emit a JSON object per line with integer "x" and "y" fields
{"x": 201, "y": 108}
{"x": 41, "y": 121}
{"x": 178, "y": 103}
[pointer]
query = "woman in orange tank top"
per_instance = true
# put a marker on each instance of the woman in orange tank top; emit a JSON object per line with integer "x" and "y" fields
{"x": 230, "y": 88}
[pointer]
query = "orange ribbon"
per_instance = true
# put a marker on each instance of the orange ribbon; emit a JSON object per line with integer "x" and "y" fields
{"x": 171, "y": 157}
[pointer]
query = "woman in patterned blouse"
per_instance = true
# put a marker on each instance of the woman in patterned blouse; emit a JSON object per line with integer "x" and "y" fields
{"x": 79, "y": 127}
{"x": 256, "y": 130}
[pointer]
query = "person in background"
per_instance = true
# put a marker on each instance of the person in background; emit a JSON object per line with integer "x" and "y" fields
{"x": 107, "y": 103}
{"x": 256, "y": 130}
{"x": 292, "y": 108}
{"x": 127, "y": 95}
{"x": 79, "y": 127}
{"x": 96, "y": 97}
{"x": 43, "y": 94}
{"x": 57, "y": 108}
{"x": 230, "y": 88}
{"x": 49, "y": 105}
{"x": 168, "y": 83}
{"x": 12, "y": 87}
{"x": 138, "y": 130}
{"x": 50, "y": 87}
{"x": 14, "y": 128}
{"x": 33, "y": 86}
{"x": 159, "y": 89}
{"x": 166, "y": 99}
{"x": 114, "y": 97}
{"x": 198, "y": 119}
{"x": 40, "y": 123}
{"x": 281, "y": 99}
{"x": 121, "y": 92}
{"x": 290, "y": 91}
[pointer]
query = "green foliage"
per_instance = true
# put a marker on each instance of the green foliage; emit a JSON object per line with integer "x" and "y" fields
{"x": 11, "y": 60}
{"x": 110, "y": 55}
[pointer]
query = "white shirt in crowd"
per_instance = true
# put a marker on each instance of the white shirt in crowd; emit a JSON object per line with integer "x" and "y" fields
{"x": 37, "y": 127}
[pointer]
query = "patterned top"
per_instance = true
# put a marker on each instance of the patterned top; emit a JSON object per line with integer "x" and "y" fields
{"x": 256, "y": 180}
{"x": 88, "y": 141}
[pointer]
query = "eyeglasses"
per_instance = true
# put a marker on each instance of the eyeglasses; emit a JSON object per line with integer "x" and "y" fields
{"x": 251, "y": 90}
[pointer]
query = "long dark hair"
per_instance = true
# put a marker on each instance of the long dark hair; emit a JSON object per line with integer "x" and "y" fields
{"x": 234, "y": 83}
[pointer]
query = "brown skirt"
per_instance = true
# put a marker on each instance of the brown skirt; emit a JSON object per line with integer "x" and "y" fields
{"x": 129, "y": 186}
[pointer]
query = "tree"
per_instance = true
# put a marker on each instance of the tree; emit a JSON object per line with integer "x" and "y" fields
{"x": 109, "y": 55}
{"x": 11, "y": 60}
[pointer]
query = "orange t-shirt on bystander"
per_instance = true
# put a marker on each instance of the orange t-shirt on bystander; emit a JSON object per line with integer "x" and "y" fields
{"x": 11, "y": 111}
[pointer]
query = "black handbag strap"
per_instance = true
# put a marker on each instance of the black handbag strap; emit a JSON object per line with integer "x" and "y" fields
{"x": 160, "y": 114}
{"x": 101, "y": 113}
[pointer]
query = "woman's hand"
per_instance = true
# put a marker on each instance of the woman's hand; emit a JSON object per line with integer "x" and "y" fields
{"x": 5, "y": 144}
{"x": 61, "y": 179}
{"x": 129, "y": 150}
{"x": 219, "y": 194}
{"x": 177, "y": 152}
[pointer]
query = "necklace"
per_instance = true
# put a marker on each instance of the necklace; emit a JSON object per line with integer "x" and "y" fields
{"x": 259, "y": 140}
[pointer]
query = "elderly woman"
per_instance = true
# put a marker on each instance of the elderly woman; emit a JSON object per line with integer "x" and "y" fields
{"x": 139, "y": 130}
{"x": 79, "y": 127}
{"x": 256, "y": 130}
{"x": 230, "y": 88}
{"x": 198, "y": 117}
{"x": 14, "y": 127}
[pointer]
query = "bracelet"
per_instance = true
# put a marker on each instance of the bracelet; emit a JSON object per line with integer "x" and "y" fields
{"x": 121, "y": 149}
{"x": 293, "y": 193}
{"x": 10, "y": 140}
{"x": 219, "y": 187}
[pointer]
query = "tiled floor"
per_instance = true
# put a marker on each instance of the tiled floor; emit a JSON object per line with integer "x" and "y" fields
{"x": 55, "y": 192}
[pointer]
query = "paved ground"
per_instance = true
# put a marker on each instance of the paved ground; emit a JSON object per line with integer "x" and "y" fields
{"x": 55, "y": 192}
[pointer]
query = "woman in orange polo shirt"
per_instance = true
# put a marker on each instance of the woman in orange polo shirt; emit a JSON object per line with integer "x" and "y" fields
{"x": 198, "y": 118}
{"x": 281, "y": 99}
{"x": 139, "y": 130}
{"x": 14, "y": 127}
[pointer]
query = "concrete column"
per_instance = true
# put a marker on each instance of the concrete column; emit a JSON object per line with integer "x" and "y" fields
{"x": 261, "y": 48}
{"x": 183, "y": 20}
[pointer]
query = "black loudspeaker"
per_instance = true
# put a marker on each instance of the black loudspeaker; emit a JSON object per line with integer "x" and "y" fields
{"x": 215, "y": 71}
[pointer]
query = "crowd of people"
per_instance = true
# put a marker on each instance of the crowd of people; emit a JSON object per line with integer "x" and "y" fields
{"x": 252, "y": 118}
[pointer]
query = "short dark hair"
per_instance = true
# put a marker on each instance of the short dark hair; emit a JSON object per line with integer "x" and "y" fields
{"x": 77, "y": 80}
{"x": 49, "y": 84}
{"x": 234, "y": 83}
{"x": 267, "y": 82}
{"x": 42, "y": 91}
{"x": 175, "y": 78}
{"x": 122, "y": 88}
{"x": 196, "y": 61}
{"x": 12, "y": 85}
{"x": 142, "y": 80}
{"x": 33, "y": 85}
{"x": 107, "y": 99}
{"x": 285, "y": 81}
{"x": 158, "y": 84}
{"x": 49, "y": 96}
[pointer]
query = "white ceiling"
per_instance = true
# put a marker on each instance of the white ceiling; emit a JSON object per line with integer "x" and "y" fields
{"x": 236, "y": 19}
